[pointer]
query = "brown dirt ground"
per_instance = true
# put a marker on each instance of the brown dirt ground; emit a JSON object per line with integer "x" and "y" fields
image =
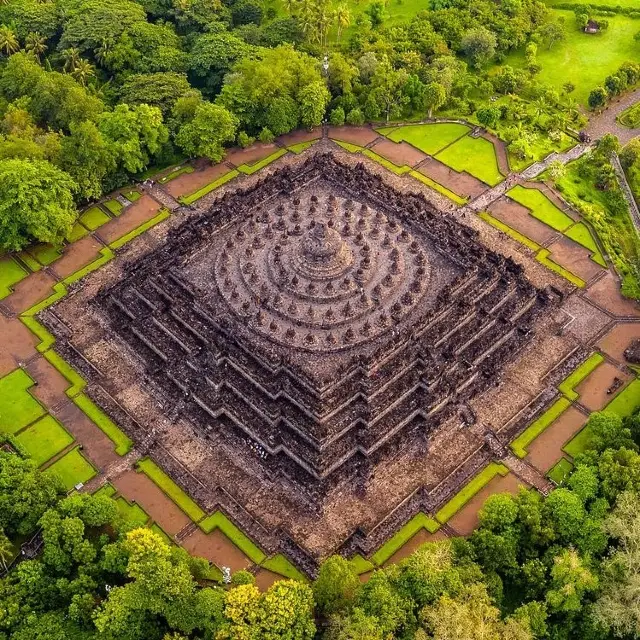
{"x": 546, "y": 449}
{"x": 76, "y": 256}
{"x": 296, "y": 137}
{"x": 266, "y": 578}
{"x": 400, "y": 153}
{"x": 617, "y": 340}
{"x": 575, "y": 258}
{"x": 466, "y": 520}
{"x": 462, "y": 184}
{"x": 355, "y": 135}
{"x": 98, "y": 447}
{"x": 133, "y": 216}
{"x": 138, "y": 487}
{"x": 217, "y": 548}
{"x": 189, "y": 182}
{"x": 606, "y": 293}
{"x": 51, "y": 384}
{"x": 250, "y": 155}
{"x": 17, "y": 344}
{"x": 29, "y": 291}
{"x": 519, "y": 218}
{"x": 593, "y": 389}
{"x": 419, "y": 539}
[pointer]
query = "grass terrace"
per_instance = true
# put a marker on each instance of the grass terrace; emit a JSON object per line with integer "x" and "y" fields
{"x": 43, "y": 439}
{"x": 476, "y": 156}
{"x": 73, "y": 468}
{"x": 430, "y": 138}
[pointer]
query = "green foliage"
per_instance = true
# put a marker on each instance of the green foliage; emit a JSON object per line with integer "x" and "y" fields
{"x": 335, "y": 586}
{"x": 36, "y": 203}
{"x": 206, "y": 133}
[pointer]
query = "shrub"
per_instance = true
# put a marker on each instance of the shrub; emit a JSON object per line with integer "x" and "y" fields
{"x": 266, "y": 135}
{"x": 245, "y": 140}
{"x": 355, "y": 117}
{"x": 337, "y": 117}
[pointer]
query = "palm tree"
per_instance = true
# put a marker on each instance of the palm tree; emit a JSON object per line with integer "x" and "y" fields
{"x": 71, "y": 58}
{"x": 6, "y": 549}
{"x": 103, "y": 51}
{"x": 291, "y": 6}
{"x": 8, "y": 42}
{"x": 343, "y": 18}
{"x": 83, "y": 71}
{"x": 35, "y": 44}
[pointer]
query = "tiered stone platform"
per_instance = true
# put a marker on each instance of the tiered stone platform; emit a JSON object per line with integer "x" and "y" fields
{"x": 287, "y": 353}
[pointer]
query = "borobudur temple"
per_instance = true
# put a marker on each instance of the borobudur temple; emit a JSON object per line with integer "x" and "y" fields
{"x": 296, "y": 338}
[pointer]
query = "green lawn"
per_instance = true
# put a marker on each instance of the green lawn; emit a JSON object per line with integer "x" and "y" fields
{"x": 18, "y": 407}
{"x": 430, "y": 138}
{"x": 560, "y": 471}
{"x": 625, "y": 4}
{"x": 476, "y": 156}
{"x": 72, "y": 469}
{"x": 131, "y": 512}
{"x": 580, "y": 233}
{"x": 627, "y": 401}
{"x": 168, "y": 486}
{"x": 10, "y": 273}
{"x": 116, "y": 207}
{"x": 77, "y": 232}
{"x": 43, "y": 439}
{"x": 45, "y": 253}
{"x": 585, "y": 59}
{"x": 93, "y": 218}
{"x": 541, "y": 207}
{"x": 280, "y": 564}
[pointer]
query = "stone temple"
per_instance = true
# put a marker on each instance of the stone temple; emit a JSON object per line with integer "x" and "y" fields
{"x": 311, "y": 328}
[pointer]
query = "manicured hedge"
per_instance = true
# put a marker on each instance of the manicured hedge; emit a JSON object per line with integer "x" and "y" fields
{"x": 469, "y": 490}
{"x": 520, "y": 444}
{"x": 576, "y": 377}
{"x": 163, "y": 214}
{"x": 218, "y": 520}
{"x": 280, "y": 564}
{"x": 200, "y": 193}
{"x": 438, "y": 187}
{"x": 252, "y": 168}
{"x": 168, "y": 486}
{"x": 418, "y": 522}
{"x": 122, "y": 442}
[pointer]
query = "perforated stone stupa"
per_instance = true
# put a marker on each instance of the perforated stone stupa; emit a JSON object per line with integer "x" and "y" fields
{"x": 322, "y": 319}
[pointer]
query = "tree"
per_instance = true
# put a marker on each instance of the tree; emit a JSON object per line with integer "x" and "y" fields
{"x": 36, "y": 203}
{"x": 134, "y": 133}
{"x": 6, "y": 550}
{"x": 598, "y": 98}
{"x": 71, "y": 56}
{"x": 156, "y": 89}
{"x": 206, "y": 133}
{"x": 387, "y": 91}
{"x": 87, "y": 157}
{"x": 357, "y": 626}
{"x": 25, "y": 492}
{"x": 479, "y": 44}
{"x": 552, "y": 33}
{"x": 557, "y": 170}
{"x": 335, "y": 586}
{"x": 337, "y": 116}
{"x": 571, "y": 580}
{"x": 376, "y": 14}
{"x": 488, "y": 116}
{"x": 435, "y": 96}
{"x": 82, "y": 71}
{"x": 342, "y": 18}
{"x": 8, "y": 41}
{"x": 618, "y": 605}
{"x": 313, "y": 104}
{"x": 35, "y": 44}
{"x": 470, "y": 616}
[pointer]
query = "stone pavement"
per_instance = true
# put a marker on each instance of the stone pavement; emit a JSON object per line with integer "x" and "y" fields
{"x": 606, "y": 122}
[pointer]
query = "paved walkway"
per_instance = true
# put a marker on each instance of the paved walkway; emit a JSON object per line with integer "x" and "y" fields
{"x": 606, "y": 122}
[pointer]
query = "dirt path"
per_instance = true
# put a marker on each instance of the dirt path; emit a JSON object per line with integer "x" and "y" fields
{"x": 605, "y": 122}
